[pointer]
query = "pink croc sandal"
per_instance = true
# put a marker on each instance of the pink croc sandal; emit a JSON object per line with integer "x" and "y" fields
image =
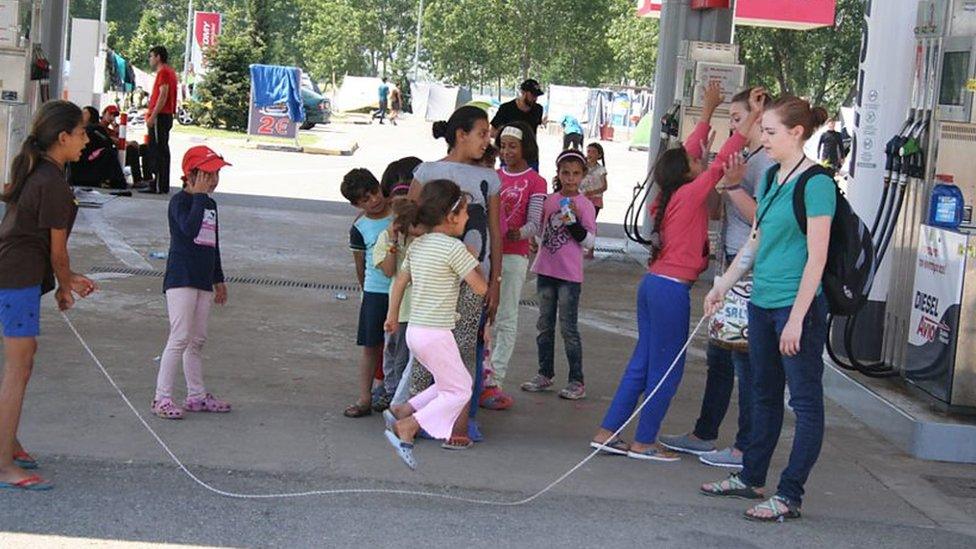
{"x": 207, "y": 403}
{"x": 167, "y": 409}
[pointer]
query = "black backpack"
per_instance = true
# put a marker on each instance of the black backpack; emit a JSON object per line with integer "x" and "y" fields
{"x": 851, "y": 260}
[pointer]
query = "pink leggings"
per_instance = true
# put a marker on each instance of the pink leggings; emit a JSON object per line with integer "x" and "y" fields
{"x": 438, "y": 407}
{"x": 189, "y": 309}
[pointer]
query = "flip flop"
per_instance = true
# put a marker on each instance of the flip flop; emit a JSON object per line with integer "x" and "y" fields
{"x": 30, "y": 484}
{"x": 24, "y": 461}
{"x": 616, "y": 446}
{"x": 404, "y": 450}
{"x": 652, "y": 454}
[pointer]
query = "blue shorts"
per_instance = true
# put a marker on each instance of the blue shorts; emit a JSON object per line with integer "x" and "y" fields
{"x": 372, "y": 315}
{"x": 20, "y": 311}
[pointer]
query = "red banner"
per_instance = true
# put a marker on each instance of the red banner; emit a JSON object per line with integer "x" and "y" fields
{"x": 206, "y": 29}
{"x": 790, "y": 14}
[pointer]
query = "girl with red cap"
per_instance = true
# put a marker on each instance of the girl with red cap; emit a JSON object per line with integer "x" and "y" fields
{"x": 194, "y": 279}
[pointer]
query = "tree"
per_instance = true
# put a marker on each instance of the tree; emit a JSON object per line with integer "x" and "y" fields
{"x": 225, "y": 90}
{"x": 633, "y": 41}
{"x": 819, "y": 64}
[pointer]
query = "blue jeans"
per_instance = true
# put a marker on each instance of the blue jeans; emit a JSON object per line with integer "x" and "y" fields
{"x": 663, "y": 313}
{"x": 563, "y": 296}
{"x": 771, "y": 372}
{"x": 718, "y": 392}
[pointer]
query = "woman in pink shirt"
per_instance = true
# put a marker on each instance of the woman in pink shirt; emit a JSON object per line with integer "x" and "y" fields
{"x": 663, "y": 299}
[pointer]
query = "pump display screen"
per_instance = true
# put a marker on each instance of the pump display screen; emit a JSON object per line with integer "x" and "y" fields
{"x": 955, "y": 73}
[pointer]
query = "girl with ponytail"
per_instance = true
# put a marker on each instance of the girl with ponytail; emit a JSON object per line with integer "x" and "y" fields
{"x": 435, "y": 265}
{"x": 787, "y": 310}
{"x": 468, "y": 135}
{"x": 664, "y": 297}
{"x": 34, "y": 235}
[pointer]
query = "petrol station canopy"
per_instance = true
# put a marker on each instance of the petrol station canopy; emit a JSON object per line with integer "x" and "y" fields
{"x": 785, "y": 14}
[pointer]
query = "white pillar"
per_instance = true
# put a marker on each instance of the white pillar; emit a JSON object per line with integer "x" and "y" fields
{"x": 884, "y": 93}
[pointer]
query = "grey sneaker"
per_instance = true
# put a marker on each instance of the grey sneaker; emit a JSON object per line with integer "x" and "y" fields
{"x": 687, "y": 444}
{"x": 574, "y": 391}
{"x": 722, "y": 458}
{"x": 537, "y": 384}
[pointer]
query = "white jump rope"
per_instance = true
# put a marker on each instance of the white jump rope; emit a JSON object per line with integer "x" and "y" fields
{"x": 238, "y": 495}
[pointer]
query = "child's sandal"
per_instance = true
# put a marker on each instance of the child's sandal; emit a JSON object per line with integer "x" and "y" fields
{"x": 457, "y": 443}
{"x": 207, "y": 403}
{"x": 167, "y": 409}
{"x": 357, "y": 410}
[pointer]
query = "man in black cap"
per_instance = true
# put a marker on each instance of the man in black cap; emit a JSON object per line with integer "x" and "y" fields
{"x": 524, "y": 107}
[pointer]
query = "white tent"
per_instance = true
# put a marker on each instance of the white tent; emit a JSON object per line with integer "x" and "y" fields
{"x": 357, "y": 93}
{"x": 436, "y": 101}
{"x": 567, "y": 100}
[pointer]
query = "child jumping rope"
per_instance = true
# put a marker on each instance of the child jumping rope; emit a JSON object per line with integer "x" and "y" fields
{"x": 664, "y": 297}
{"x": 569, "y": 226}
{"x": 435, "y": 265}
{"x": 194, "y": 279}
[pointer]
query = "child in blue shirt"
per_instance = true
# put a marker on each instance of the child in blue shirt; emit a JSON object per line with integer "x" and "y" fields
{"x": 362, "y": 190}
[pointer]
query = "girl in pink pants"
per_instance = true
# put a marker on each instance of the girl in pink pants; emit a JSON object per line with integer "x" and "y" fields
{"x": 194, "y": 279}
{"x": 435, "y": 264}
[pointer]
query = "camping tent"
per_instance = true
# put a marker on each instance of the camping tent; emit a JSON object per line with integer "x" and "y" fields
{"x": 436, "y": 101}
{"x": 357, "y": 93}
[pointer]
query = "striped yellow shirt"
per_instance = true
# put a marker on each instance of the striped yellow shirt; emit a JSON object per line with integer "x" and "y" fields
{"x": 436, "y": 263}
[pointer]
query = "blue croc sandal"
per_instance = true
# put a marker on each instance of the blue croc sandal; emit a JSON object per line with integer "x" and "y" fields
{"x": 404, "y": 450}
{"x": 389, "y": 419}
{"x": 29, "y": 484}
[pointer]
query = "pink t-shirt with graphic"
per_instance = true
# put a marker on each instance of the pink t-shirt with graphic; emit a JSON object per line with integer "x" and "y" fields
{"x": 560, "y": 256}
{"x": 517, "y": 190}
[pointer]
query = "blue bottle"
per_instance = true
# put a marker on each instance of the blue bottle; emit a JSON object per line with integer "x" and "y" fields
{"x": 946, "y": 207}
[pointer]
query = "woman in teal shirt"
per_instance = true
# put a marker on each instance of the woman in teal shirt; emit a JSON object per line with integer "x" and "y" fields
{"x": 787, "y": 313}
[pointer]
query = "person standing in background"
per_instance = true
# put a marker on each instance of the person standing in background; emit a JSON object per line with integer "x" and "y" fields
{"x": 159, "y": 122}
{"x": 830, "y": 151}
{"x": 384, "y": 93}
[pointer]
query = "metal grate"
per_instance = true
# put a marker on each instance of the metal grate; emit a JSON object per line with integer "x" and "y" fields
{"x": 262, "y": 281}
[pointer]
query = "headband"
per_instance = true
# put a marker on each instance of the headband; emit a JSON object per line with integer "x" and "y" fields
{"x": 570, "y": 154}
{"x": 512, "y": 131}
{"x": 398, "y": 187}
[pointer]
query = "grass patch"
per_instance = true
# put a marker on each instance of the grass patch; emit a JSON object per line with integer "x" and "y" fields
{"x": 304, "y": 139}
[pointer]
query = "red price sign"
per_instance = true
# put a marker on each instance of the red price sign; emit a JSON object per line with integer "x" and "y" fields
{"x": 271, "y": 122}
{"x": 273, "y": 126}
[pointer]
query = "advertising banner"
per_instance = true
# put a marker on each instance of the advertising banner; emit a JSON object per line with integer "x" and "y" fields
{"x": 206, "y": 29}
{"x": 936, "y": 297}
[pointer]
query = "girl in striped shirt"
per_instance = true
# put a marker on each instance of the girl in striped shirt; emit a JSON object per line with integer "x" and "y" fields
{"x": 434, "y": 267}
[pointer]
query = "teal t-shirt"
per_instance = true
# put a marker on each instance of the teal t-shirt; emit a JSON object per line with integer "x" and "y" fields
{"x": 782, "y": 254}
{"x": 362, "y": 238}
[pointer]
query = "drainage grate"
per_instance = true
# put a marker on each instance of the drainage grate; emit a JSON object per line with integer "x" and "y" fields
{"x": 606, "y": 250}
{"x": 259, "y": 281}
{"x": 957, "y": 487}
{"x": 262, "y": 281}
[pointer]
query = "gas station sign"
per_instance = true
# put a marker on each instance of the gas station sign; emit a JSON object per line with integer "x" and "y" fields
{"x": 787, "y": 14}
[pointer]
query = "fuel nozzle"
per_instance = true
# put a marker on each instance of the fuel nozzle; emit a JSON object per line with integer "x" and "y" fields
{"x": 670, "y": 122}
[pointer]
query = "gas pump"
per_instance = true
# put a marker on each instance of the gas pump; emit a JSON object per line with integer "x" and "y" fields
{"x": 18, "y": 93}
{"x": 930, "y": 318}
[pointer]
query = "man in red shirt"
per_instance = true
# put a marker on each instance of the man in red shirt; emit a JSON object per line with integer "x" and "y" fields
{"x": 159, "y": 121}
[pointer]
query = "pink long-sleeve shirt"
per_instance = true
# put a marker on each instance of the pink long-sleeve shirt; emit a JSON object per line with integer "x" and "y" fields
{"x": 684, "y": 234}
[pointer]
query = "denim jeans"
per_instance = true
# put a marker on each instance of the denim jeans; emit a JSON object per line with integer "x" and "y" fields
{"x": 563, "y": 296}
{"x": 804, "y": 375}
{"x": 663, "y": 313}
{"x": 718, "y": 392}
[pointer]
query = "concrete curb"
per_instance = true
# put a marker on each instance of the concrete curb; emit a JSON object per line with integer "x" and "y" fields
{"x": 346, "y": 149}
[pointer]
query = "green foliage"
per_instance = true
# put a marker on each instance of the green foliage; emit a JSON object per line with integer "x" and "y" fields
{"x": 633, "y": 42}
{"x": 820, "y": 64}
{"x": 225, "y": 90}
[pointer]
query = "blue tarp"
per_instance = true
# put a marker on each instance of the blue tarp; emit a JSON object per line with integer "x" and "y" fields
{"x": 273, "y": 85}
